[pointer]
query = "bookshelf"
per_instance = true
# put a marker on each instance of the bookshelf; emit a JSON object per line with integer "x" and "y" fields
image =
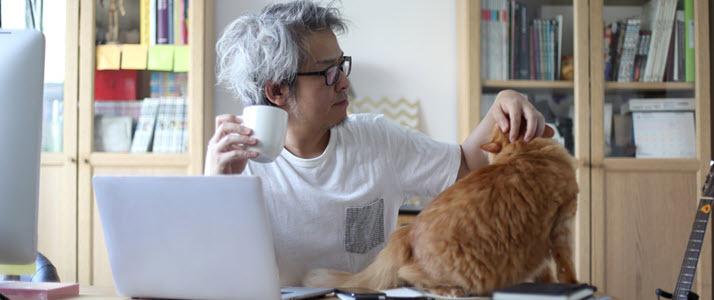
{"x": 93, "y": 263}
{"x": 70, "y": 229}
{"x": 630, "y": 208}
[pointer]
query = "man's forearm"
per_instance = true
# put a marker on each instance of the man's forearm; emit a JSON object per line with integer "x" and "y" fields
{"x": 473, "y": 155}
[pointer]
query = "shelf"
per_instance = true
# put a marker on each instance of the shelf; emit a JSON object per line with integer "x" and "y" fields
{"x": 139, "y": 159}
{"x": 650, "y": 86}
{"x": 528, "y": 84}
{"x": 629, "y": 164}
{"x": 625, "y": 2}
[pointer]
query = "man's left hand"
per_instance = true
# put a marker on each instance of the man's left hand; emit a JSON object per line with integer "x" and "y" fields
{"x": 509, "y": 109}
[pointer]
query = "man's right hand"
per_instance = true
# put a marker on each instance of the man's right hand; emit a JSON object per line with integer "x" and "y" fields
{"x": 226, "y": 150}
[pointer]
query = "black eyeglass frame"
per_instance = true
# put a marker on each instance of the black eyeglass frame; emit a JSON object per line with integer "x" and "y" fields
{"x": 340, "y": 66}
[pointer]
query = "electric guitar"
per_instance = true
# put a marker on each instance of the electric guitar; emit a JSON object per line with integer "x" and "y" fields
{"x": 682, "y": 290}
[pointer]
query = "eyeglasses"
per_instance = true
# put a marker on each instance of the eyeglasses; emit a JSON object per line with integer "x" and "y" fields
{"x": 332, "y": 73}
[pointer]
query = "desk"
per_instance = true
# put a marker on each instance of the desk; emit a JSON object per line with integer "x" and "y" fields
{"x": 108, "y": 293}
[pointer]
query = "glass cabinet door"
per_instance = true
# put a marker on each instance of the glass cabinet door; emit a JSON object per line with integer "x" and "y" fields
{"x": 33, "y": 14}
{"x": 528, "y": 46}
{"x": 648, "y": 68}
{"x": 141, "y": 76}
{"x": 540, "y": 49}
{"x": 57, "y": 211}
{"x": 650, "y": 144}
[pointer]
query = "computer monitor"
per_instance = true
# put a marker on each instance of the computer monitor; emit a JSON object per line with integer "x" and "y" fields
{"x": 22, "y": 58}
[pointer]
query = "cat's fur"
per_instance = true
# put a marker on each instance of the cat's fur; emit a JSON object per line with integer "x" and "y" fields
{"x": 500, "y": 225}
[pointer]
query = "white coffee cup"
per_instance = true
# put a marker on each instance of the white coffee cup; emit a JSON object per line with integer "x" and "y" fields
{"x": 269, "y": 125}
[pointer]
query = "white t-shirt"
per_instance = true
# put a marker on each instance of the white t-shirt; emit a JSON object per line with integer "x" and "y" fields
{"x": 337, "y": 210}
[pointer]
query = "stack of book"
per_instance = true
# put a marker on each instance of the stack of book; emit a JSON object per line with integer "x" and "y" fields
{"x": 162, "y": 126}
{"x": 660, "y": 128}
{"x": 654, "y": 48}
{"x": 516, "y": 47}
{"x": 164, "y": 22}
{"x": 168, "y": 84}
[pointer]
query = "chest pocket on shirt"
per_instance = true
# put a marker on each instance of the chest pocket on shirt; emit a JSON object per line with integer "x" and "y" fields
{"x": 364, "y": 227}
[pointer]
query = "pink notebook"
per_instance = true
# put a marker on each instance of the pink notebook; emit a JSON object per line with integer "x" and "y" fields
{"x": 17, "y": 290}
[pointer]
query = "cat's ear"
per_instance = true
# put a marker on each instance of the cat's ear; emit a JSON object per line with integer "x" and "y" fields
{"x": 492, "y": 147}
{"x": 548, "y": 132}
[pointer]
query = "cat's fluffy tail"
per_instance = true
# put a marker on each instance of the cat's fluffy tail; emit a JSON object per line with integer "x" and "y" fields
{"x": 380, "y": 275}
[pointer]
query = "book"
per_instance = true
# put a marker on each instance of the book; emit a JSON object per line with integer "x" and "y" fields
{"x": 170, "y": 18}
{"x": 406, "y": 293}
{"x": 162, "y": 132}
{"x": 680, "y": 46}
{"x": 484, "y": 41}
{"x": 658, "y": 104}
{"x": 607, "y": 118}
{"x": 20, "y": 290}
{"x": 622, "y": 130}
{"x": 522, "y": 9}
{"x": 558, "y": 45}
{"x": 115, "y": 85}
{"x": 664, "y": 134}
{"x": 112, "y": 133}
{"x": 145, "y": 22}
{"x": 185, "y": 130}
{"x": 145, "y": 126}
{"x": 629, "y": 49}
{"x": 545, "y": 291}
{"x": 177, "y": 20}
{"x": 689, "y": 40}
{"x": 651, "y": 13}
{"x": 162, "y": 22}
{"x": 152, "y": 22}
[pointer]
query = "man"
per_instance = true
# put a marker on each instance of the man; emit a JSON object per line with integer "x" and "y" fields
{"x": 334, "y": 192}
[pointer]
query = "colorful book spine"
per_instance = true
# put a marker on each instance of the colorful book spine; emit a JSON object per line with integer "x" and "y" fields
{"x": 145, "y": 126}
{"x": 513, "y": 37}
{"x": 170, "y": 26}
{"x": 533, "y": 69}
{"x": 177, "y": 21}
{"x": 606, "y": 51}
{"x": 145, "y": 22}
{"x": 484, "y": 41}
{"x": 162, "y": 22}
{"x": 524, "y": 43}
{"x": 152, "y": 22}
{"x": 185, "y": 130}
{"x": 185, "y": 22}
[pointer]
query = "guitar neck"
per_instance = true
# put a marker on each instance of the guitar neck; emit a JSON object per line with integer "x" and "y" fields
{"x": 691, "y": 255}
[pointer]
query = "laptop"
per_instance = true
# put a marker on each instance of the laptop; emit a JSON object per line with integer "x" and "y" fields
{"x": 190, "y": 237}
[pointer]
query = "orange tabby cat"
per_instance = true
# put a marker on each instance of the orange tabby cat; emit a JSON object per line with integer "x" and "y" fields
{"x": 500, "y": 225}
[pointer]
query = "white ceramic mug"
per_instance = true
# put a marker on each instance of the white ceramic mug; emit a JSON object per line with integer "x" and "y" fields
{"x": 269, "y": 125}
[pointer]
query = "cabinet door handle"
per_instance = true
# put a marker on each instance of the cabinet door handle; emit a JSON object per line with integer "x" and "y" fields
{"x": 72, "y": 159}
{"x": 86, "y": 160}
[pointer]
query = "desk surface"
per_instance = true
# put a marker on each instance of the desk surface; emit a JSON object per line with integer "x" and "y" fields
{"x": 108, "y": 293}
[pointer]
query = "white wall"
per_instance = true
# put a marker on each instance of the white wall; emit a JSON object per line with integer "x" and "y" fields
{"x": 399, "y": 48}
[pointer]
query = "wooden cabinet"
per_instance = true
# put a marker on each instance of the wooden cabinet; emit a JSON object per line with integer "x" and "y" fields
{"x": 70, "y": 229}
{"x": 634, "y": 214}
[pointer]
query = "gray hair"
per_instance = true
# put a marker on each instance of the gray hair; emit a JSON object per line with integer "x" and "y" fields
{"x": 270, "y": 46}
